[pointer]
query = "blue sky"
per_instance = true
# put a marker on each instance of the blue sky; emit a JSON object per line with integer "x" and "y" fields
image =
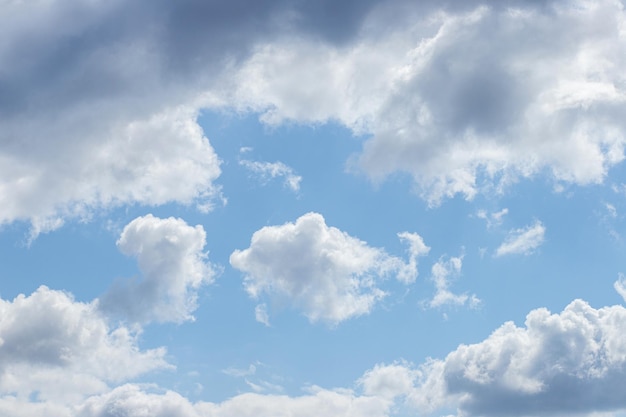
{"x": 281, "y": 208}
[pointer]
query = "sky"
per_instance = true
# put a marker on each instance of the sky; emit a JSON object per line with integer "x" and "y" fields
{"x": 284, "y": 208}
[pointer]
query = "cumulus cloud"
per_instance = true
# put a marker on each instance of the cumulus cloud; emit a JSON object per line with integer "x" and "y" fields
{"x": 523, "y": 241}
{"x": 460, "y": 98}
{"x": 442, "y": 272}
{"x": 61, "y": 350}
{"x": 320, "y": 270}
{"x": 573, "y": 362}
{"x": 271, "y": 170}
{"x": 173, "y": 266}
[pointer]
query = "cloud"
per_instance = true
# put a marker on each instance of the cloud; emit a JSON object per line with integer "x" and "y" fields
{"x": 620, "y": 286}
{"x": 320, "y": 270}
{"x": 454, "y": 94}
{"x": 492, "y": 219}
{"x": 99, "y": 101}
{"x": 461, "y": 99}
{"x": 131, "y": 399}
{"x": 173, "y": 265}
{"x": 60, "y": 350}
{"x": 442, "y": 271}
{"x": 573, "y": 362}
{"x": 271, "y": 170}
{"x": 389, "y": 381}
{"x": 523, "y": 241}
{"x": 261, "y": 315}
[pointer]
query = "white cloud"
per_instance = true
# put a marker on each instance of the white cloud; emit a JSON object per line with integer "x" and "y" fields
{"x": 492, "y": 219}
{"x": 442, "y": 272}
{"x": 261, "y": 314}
{"x": 173, "y": 265}
{"x": 134, "y": 400}
{"x": 389, "y": 381}
{"x": 523, "y": 241}
{"x": 163, "y": 158}
{"x": 620, "y": 286}
{"x": 463, "y": 101}
{"x": 61, "y": 350}
{"x": 408, "y": 273}
{"x": 320, "y": 270}
{"x": 271, "y": 170}
{"x": 568, "y": 363}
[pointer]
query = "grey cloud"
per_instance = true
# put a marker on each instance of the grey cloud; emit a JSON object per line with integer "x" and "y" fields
{"x": 77, "y": 76}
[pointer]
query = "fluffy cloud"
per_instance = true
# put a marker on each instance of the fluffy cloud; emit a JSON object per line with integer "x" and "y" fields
{"x": 271, "y": 170}
{"x": 523, "y": 241}
{"x": 463, "y": 99}
{"x": 60, "y": 350}
{"x": 573, "y": 362}
{"x": 320, "y": 270}
{"x": 173, "y": 265}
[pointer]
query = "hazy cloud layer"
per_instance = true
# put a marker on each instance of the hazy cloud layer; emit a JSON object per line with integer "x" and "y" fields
{"x": 173, "y": 266}
{"x": 319, "y": 269}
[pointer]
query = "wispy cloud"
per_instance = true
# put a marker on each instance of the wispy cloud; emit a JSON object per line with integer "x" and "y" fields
{"x": 523, "y": 241}
{"x": 270, "y": 170}
{"x": 443, "y": 272}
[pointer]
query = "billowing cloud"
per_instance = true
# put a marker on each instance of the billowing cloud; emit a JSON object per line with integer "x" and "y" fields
{"x": 523, "y": 241}
{"x": 320, "y": 270}
{"x": 463, "y": 100}
{"x": 573, "y": 362}
{"x": 173, "y": 266}
{"x": 271, "y": 170}
{"x": 60, "y": 350}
